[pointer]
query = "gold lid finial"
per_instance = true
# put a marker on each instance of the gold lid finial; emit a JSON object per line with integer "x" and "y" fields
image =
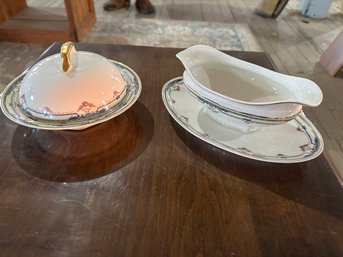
{"x": 66, "y": 49}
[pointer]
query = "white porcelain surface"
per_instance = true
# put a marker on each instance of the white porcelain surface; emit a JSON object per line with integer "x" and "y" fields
{"x": 13, "y": 109}
{"x": 279, "y": 113}
{"x": 295, "y": 141}
{"x": 93, "y": 84}
{"x": 246, "y": 87}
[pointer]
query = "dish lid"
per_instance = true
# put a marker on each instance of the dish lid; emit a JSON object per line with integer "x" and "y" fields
{"x": 71, "y": 85}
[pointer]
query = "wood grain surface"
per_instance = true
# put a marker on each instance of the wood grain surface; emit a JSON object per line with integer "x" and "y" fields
{"x": 332, "y": 58}
{"x": 140, "y": 185}
{"x": 48, "y": 24}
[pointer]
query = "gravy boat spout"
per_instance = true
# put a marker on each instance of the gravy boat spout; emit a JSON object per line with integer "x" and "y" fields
{"x": 238, "y": 82}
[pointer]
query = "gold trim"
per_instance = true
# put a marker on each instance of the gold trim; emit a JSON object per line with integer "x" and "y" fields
{"x": 65, "y": 55}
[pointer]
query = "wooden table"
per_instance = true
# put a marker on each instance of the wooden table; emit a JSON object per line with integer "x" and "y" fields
{"x": 140, "y": 185}
{"x": 22, "y": 23}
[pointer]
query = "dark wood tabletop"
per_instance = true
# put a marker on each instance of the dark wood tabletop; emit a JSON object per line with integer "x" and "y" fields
{"x": 140, "y": 185}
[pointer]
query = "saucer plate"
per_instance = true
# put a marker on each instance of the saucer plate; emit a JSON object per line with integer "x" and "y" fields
{"x": 295, "y": 141}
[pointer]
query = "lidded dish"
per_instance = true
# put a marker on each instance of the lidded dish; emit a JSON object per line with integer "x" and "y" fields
{"x": 71, "y": 85}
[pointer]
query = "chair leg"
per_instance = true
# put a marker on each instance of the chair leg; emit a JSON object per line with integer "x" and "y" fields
{"x": 332, "y": 58}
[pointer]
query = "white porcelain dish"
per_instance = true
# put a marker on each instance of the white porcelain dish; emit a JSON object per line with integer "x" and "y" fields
{"x": 295, "y": 141}
{"x": 265, "y": 115}
{"x": 12, "y": 108}
{"x": 246, "y": 87}
{"x": 243, "y": 122}
{"x": 72, "y": 84}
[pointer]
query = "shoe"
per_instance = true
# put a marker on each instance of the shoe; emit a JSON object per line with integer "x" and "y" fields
{"x": 113, "y": 5}
{"x": 145, "y": 7}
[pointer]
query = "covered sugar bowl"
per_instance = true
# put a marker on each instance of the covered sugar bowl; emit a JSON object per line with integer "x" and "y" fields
{"x": 72, "y": 90}
{"x": 71, "y": 85}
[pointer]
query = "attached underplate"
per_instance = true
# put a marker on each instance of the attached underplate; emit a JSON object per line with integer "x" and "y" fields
{"x": 295, "y": 141}
{"x": 11, "y": 107}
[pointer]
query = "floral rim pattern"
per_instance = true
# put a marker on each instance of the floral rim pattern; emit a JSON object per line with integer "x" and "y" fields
{"x": 85, "y": 108}
{"x": 310, "y": 146}
{"x": 11, "y": 107}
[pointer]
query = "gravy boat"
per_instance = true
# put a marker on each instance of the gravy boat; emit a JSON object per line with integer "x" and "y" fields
{"x": 244, "y": 90}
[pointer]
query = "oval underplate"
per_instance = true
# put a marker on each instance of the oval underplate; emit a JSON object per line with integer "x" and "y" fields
{"x": 11, "y": 107}
{"x": 292, "y": 142}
